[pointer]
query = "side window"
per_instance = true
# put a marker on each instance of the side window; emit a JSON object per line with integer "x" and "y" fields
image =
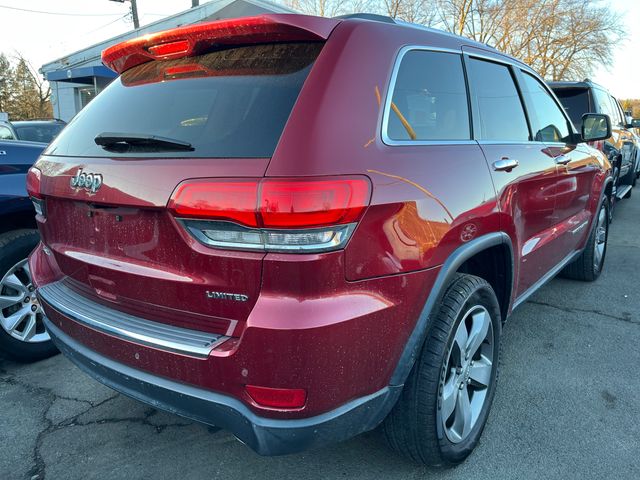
{"x": 496, "y": 102}
{"x": 429, "y": 99}
{"x": 5, "y": 133}
{"x": 604, "y": 104}
{"x": 615, "y": 116}
{"x": 547, "y": 120}
{"x": 618, "y": 109}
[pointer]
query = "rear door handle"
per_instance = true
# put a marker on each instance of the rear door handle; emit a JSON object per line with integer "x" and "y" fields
{"x": 505, "y": 164}
{"x": 562, "y": 159}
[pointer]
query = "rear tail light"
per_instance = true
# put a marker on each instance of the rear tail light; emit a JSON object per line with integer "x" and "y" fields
{"x": 34, "y": 180}
{"x": 310, "y": 203}
{"x": 305, "y": 215}
{"x": 284, "y": 398}
{"x": 229, "y": 200}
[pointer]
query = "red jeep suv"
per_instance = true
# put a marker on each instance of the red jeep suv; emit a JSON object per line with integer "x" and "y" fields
{"x": 298, "y": 228}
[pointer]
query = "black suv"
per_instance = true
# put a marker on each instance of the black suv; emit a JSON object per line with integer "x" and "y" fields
{"x": 579, "y": 98}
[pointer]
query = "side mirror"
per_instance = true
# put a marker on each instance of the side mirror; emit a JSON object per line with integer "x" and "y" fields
{"x": 635, "y": 122}
{"x": 595, "y": 126}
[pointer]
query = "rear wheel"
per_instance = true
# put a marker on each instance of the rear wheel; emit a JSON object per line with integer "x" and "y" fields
{"x": 446, "y": 400}
{"x": 589, "y": 264}
{"x": 22, "y": 332}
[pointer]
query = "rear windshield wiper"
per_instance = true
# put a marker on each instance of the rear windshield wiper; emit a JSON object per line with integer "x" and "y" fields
{"x": 139, "y": 142}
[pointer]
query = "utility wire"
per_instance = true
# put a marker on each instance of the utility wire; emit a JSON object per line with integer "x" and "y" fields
{"x": 61, "y": 13}
{"x": 106, "y": 24}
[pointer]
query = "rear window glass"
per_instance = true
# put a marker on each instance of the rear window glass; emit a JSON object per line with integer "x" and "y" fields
{"x": 575, "y": 102}
{"x": 229, "y": 103}
{"x": 38, "y": 132}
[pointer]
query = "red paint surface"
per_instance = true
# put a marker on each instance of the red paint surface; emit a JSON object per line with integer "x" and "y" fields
{"x": 333, "y": 324}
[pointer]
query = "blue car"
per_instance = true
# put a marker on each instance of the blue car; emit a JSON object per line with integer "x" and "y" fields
{"x": 22, "y": 332}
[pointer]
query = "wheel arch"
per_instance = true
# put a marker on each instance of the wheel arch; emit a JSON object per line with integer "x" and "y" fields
{"x": 463, "y": 257}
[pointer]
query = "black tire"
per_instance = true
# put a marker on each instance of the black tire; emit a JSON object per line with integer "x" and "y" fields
{"x": 585, "y": 268}
{"x": 14, "y": 247}
{"x": 415, "y": 428}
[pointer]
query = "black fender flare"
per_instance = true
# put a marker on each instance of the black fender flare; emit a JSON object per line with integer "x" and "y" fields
{"x": 447, "y": 271}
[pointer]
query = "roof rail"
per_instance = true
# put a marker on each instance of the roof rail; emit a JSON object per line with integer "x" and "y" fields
{"x": 367, "y": 16}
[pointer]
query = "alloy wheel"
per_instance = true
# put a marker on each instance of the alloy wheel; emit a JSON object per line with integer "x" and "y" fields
{"x": 21, "y": 315}
{"x": 467, "y": 374}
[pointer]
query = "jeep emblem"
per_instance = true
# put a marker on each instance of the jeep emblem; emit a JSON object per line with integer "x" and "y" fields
{"x": 88, "y": 181}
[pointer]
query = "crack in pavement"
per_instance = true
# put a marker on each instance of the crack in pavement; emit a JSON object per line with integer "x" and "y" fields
{"x": 38, "y": 470}
{"x": 625, "y": 318}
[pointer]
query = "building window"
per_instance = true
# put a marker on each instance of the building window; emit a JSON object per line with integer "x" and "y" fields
{"x": 85, "y": 95}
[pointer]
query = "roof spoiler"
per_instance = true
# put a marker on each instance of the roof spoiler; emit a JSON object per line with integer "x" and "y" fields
{"x": 194, "y": 39}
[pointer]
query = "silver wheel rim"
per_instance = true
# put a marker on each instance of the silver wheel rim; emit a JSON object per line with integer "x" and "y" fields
{"x": 601, "y": 239}
{"x": 21, "y": 315}
{"x": 467, "y": 374}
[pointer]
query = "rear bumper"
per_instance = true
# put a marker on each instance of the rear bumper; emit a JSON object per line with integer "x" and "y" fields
{"x": 266, "y": 436}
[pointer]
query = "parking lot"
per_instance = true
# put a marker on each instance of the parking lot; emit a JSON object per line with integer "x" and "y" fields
{"x": 567, "y": 404}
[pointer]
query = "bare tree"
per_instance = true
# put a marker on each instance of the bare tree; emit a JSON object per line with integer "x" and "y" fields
{"x": 414, "y": 11}
{"x": 323, "y": 8}
{"x": 561, "y": 39}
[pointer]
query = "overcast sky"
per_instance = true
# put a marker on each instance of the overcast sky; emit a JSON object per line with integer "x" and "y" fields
{"x": 43, "y": 37}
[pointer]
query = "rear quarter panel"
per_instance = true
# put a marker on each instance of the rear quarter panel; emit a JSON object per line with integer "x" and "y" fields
{"x": 427, "y": 200}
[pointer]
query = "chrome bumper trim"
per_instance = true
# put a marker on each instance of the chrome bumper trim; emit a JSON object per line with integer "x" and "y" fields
{"x": 127, "y": 327}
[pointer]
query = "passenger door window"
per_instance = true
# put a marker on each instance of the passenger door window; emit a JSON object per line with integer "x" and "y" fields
{"x": 429, "y": 100}
{"x": 498, "y": 111}
{"x": 548, "y": 123}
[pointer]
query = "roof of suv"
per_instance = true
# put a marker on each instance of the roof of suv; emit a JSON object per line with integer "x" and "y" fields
{"x": 39, "y": 121}
{"x": 570, "y": 84}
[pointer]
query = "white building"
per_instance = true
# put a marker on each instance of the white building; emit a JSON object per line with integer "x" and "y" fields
{"x": 78, "y": 77}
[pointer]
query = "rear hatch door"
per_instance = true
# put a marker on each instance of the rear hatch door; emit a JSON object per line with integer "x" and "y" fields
{"x": 109, "y": 175}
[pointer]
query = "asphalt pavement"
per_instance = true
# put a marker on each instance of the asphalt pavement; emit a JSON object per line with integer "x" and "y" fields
{"x": 567, "y": 405}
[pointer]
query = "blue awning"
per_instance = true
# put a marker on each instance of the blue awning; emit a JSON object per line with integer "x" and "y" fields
{"x": 81, "y": 74}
